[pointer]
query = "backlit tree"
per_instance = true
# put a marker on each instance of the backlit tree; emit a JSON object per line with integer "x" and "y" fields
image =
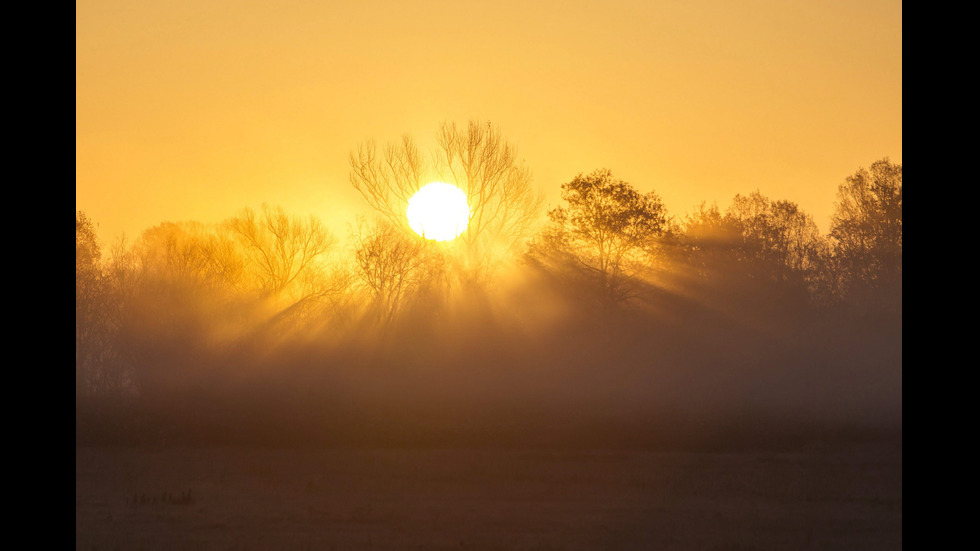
{"x": 607, "y": 226}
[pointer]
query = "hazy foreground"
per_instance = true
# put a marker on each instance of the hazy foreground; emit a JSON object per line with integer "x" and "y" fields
{"x": 623, "y": 381}
{"x": 826, "y": 497}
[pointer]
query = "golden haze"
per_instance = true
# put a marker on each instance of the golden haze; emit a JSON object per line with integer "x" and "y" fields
{"x": 192, "y": 110}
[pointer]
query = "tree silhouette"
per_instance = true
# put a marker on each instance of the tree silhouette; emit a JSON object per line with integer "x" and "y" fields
{"x": 390, "y": 263}
{"x": 777, "y": 236}
{"x": 759, "y": 252}
{"x": 191, "y": 254}
{"x": 866, "y": 230}
{"x": 187, "y": 289}
{"x": 710, "y": 240}
{"x": 606, "y": 226}
{"x": 503, "y": 204}
{"x": 173, "y": 284}
{"x": 284, "y": 252}
{"x": 99, "y": 369}
{"x": 90, "y": 296}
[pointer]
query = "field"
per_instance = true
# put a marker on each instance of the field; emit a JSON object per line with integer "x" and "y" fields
{"x": 838, "y": 497}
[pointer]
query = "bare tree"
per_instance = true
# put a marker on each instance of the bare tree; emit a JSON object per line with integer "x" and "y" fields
{"x": 282, "y": 250}
{"x": 192, "y": 254}
{"x": 390, "y": 263}
{"x": 387, "y": 181}
{"x": 188, "y": 289}
{"x": 172, "y": 286}
{"x": 504, "y": 206}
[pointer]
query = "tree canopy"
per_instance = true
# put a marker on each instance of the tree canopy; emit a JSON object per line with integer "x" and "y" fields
{"x": 866, "y": 230}
{"x": 606, "y": 224}
{"x": 186, "y": 296}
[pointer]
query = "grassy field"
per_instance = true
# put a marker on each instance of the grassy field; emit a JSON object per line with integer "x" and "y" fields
{"x": 840, "y": 498}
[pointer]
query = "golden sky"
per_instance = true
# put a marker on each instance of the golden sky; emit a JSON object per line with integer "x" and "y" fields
{"x": 196, "y": 109}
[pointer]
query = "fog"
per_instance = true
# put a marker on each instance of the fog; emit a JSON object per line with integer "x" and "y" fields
{"x": 605, "y": 322}
{"x": 530, "y": 359}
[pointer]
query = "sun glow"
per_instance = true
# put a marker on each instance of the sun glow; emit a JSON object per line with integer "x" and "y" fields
{"x": 438, "y": 211}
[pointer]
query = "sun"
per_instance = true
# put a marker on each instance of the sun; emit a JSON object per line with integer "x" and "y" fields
{"x": 438, "y": 211}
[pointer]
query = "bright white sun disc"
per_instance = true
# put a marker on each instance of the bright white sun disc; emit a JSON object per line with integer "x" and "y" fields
{"x": 438, "y": 211}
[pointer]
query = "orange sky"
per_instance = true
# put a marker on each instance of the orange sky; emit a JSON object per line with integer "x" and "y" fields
{"x": 195, "y": 109}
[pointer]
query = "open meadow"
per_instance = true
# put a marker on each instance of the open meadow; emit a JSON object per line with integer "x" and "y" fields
{"x": 840, "y": 497}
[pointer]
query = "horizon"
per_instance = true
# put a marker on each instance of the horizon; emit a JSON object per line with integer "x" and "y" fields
{"x": 194, "y": 111}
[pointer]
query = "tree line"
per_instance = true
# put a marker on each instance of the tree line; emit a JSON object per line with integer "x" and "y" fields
{"x": 184, "y": 293}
